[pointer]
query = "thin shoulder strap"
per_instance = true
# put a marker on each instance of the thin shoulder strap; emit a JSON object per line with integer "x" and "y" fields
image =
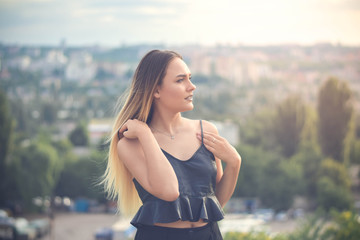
{"x": 202, "y": 134}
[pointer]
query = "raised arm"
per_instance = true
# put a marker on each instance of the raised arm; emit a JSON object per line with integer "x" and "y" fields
{"x": 222, "y": 149}
{"x": 142, "y": 156}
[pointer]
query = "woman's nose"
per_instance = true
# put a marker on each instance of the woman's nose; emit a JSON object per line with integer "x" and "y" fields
{"x": 191, "y": 87}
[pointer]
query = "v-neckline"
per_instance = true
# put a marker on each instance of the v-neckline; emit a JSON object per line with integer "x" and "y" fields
{"x": 192, "y": 156}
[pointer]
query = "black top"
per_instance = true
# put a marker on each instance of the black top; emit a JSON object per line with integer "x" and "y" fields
{"x": 197, "y": 200}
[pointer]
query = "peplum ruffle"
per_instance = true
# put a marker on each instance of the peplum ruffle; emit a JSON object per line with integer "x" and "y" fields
{"x": 185, "y": 208}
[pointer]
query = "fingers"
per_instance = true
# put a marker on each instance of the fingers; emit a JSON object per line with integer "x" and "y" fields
{"x": 132, "y": 128}
{"x": 208, "y": 137}
{"x": 211, "y": 138}
{"x": 123, "y": 128}
{"x": 210, "y": 142}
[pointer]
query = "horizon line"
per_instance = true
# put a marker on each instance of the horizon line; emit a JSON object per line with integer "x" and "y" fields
{"x": 120, "y": 45}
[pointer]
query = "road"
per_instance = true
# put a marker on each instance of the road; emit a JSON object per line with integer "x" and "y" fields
{"x": 68, "y": 226}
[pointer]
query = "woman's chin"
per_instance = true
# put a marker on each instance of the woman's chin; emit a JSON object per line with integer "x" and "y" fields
{"x": 188, "y": 108}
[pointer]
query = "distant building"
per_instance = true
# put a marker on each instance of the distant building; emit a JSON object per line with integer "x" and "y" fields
{"x": 98, "y": 129}
{"x": 80, "y": 67}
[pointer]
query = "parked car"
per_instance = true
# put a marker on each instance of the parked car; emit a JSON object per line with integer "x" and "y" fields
{"x": 23, "y": 230}
{"x": 104, "y": 234}
{"x": 41, "y": 226}
{"x": 266, "y": 214}
{"x": 7, "y": 226}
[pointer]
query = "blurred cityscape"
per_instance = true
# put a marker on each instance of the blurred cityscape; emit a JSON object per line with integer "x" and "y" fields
{"x": 106, "y": 72}
{"x": 65, "y": 97}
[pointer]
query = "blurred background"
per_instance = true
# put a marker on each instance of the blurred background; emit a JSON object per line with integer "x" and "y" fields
{"x": 280, "y": 79}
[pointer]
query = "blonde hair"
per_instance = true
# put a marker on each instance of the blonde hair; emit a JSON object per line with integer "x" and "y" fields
{"x": 148, "y": 75}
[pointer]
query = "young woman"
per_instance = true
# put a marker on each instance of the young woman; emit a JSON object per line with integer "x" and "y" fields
{"x": 172, "y": 163}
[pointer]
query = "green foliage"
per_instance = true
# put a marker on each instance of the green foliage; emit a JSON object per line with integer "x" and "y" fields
{"x": 342, "y": 225}
{"x": 347, "y": 226}
{"x": 335, "y": 112}
{"x": 80, "y": 177}
{"x": 5, "y": 128}
{"x": 355, "y": 153}
{"x": 349, "y": 141}
{"x": 333, "y": 186}
{"x": 293, "y": 126}
{"x": 309, "y": 134}
{"x": 79, "y": 136}
{"x": 49, "y": 113}
{"x": 310, "y": 229}
{"x": 5, "y": 137}
{"x": 332, "y": 196}
{"x": 247, "y": 236}
{"x": 253, "y": 236}
{"x": 309, "y": 157}
{"x": 37, "y": 168}
{"x": 257, "y": 131}
{"x": 288, "y": 124}
{"x": 281, "y": 182}
{"x": 335, "y": 171}
{"x": 266, "y": 175}
{"x": 252, "y": 167}
{"x": 20, "y": 115}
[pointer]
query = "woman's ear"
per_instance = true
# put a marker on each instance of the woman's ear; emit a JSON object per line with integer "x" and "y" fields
{"x": 157, "y": 92}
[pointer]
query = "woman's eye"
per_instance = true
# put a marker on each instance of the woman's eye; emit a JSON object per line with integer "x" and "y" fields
{"x": 180, "y": 80}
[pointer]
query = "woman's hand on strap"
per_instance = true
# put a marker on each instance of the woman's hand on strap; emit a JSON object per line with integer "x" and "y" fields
{"x": 133, "y": 129}
{"x": 220, "y": 147}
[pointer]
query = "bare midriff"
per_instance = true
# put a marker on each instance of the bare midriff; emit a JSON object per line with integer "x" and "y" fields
{"x": 182, "y": 224}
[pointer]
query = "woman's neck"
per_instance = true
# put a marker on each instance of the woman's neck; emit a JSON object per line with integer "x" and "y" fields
{"x": 165, "y": 122}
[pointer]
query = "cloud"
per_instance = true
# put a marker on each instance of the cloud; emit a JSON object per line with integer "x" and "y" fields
{"x": 178, "y": 21}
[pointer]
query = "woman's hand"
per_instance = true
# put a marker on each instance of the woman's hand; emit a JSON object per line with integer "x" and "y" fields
{"x": 133, "y": 128}
{"x": 220, "y": 147}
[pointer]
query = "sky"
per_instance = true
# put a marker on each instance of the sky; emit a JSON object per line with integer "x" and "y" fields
{"x": 179, "y": 22}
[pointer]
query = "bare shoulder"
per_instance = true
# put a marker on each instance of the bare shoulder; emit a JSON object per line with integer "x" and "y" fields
{"x": 192, "y": 124}
{"x": 209, "y": 127}
{"x": 127, "y": 148}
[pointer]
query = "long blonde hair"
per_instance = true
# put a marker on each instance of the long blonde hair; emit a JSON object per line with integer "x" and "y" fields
{"x": 148, "y": 75}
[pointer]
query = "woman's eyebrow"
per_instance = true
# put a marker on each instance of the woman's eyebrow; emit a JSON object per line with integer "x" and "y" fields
{"x": 183, "y": 75}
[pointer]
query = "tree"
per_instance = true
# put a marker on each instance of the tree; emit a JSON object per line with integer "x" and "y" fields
{"x": 80, "y": 177}
{"x": 288, "y": 124}
{"x": 333, "y": 186}
{"x": 20, "y": 115}
{"x": 79, "y": 136}
{"x": 49, "y": 113}
{"x": 37, "y": 168}
{"x": 249, "y": 180}
{"x": 309, "y": 154}
{"x": 309, "y": 135}
{"x": 355, "y": 153}
{"x": 252, "y": 168}
{"x": 258, "y": 130}
{"x": 5, "y": 136}
{"x": 335, "y": 113}
{"x": 309, "y": 157}
{"x": 281, "y": 181}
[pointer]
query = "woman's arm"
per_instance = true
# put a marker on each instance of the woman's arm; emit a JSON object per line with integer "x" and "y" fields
{"x": 222, "y": 149}
{"x": 142, "y": 156}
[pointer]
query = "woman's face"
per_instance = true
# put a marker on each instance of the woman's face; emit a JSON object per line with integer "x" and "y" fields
{"x": 176, "y": 91}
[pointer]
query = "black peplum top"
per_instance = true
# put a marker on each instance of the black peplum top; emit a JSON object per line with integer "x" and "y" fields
{"x": 197, "y": 200}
